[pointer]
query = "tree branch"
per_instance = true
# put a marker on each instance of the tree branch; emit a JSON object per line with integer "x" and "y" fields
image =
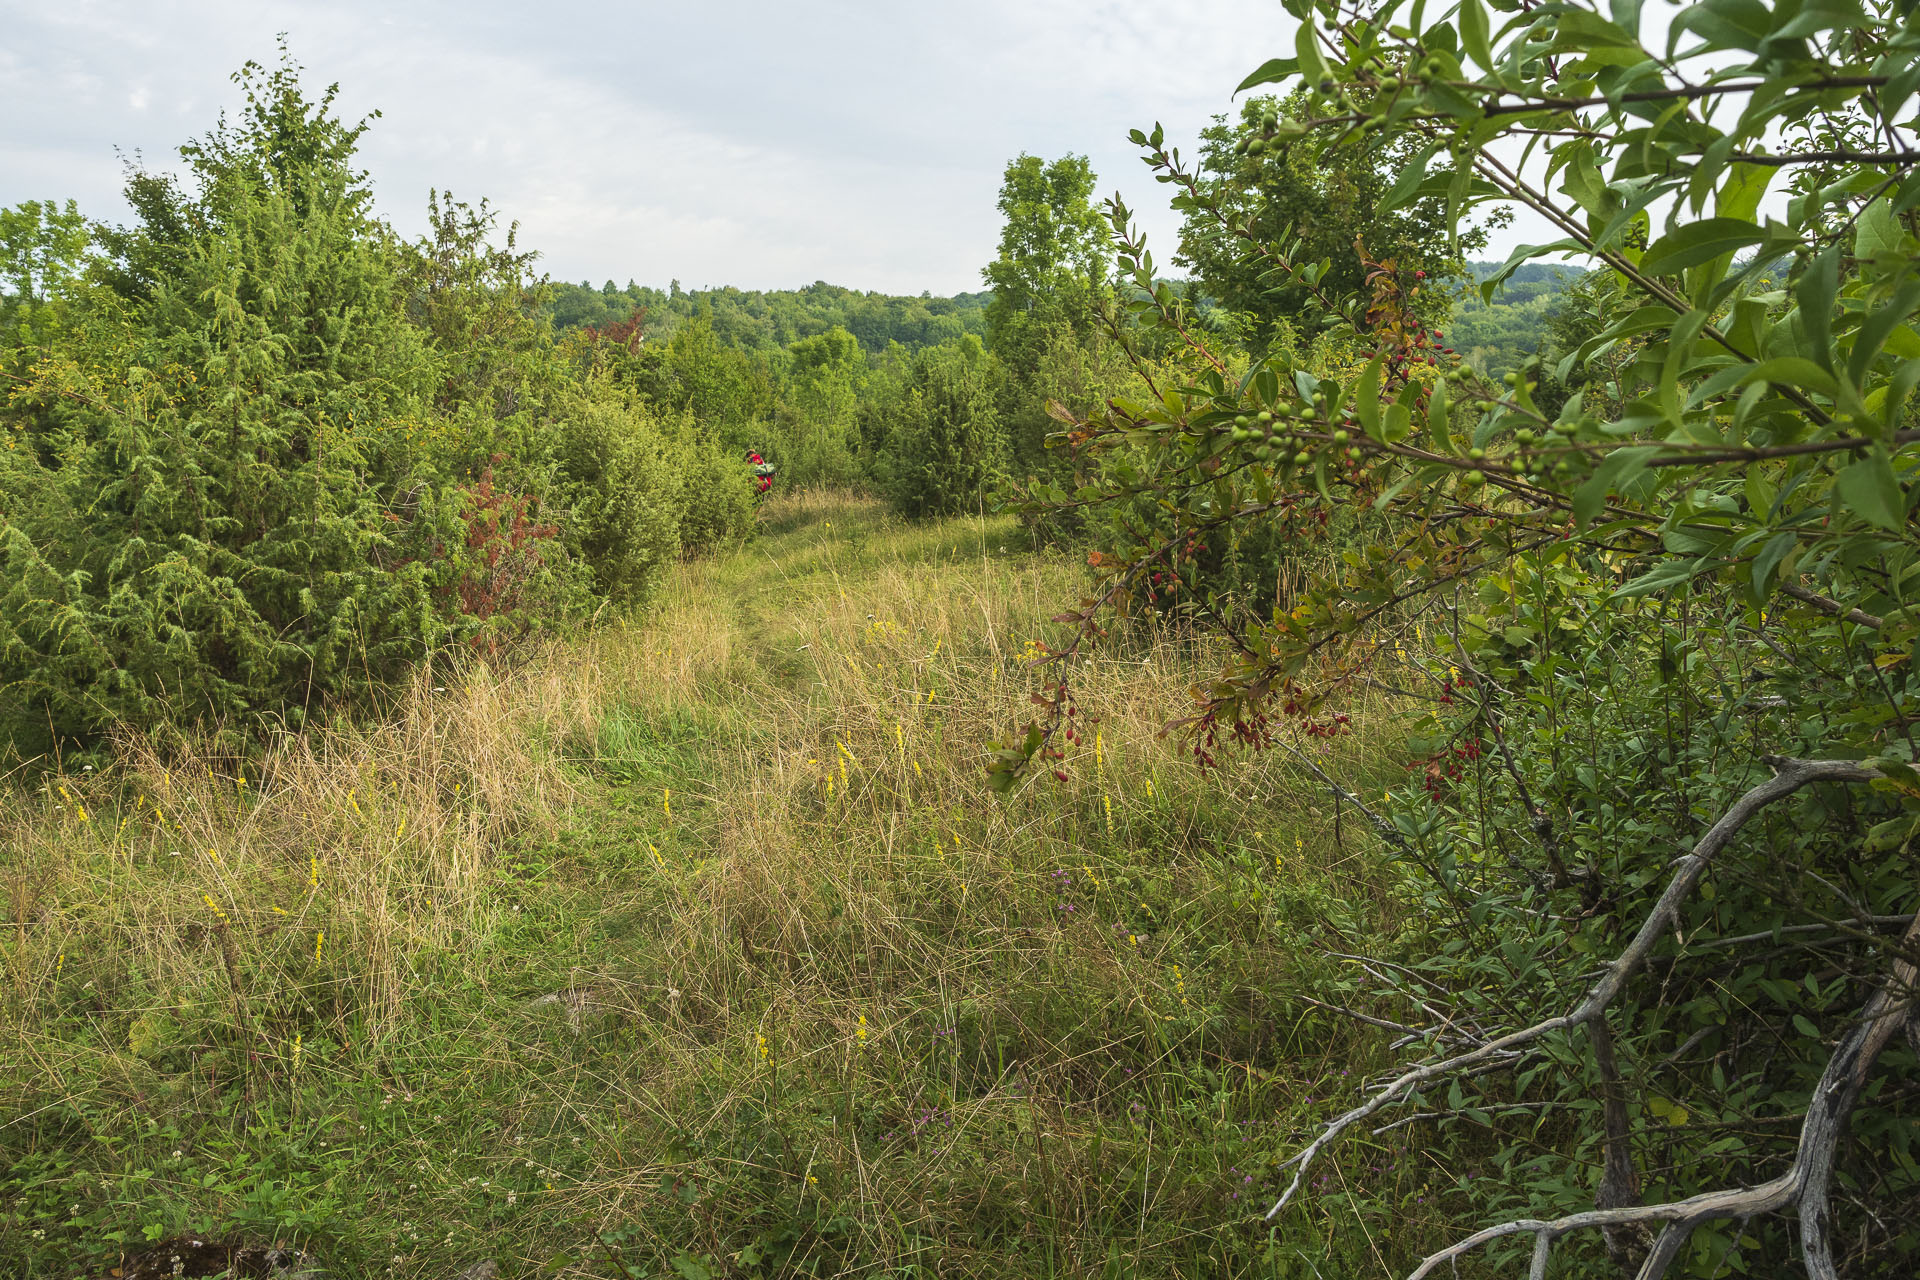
{"x": 1689, "y": 92}
{"x": 1803, "y": 1185}
{"x": 1619, "y": 1187}
{"x": 1789, "y": 776}
{"x": 1840, "y": 1087}
{"x": 1828, "y": 605}
{"x": 1828, "y": 157}
{"x": 1705, "y": 454}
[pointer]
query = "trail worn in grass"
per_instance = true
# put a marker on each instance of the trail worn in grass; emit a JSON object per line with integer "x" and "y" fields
{"x": 697, "y": 947}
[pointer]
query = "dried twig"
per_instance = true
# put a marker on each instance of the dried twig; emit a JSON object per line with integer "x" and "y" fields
{"x": 1417, "y": 1033}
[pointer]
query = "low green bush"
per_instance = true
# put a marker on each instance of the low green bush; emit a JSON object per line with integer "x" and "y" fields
{"x": 624, "y": 484}
{"x": 945, "y": 449}
{"x": 716, "y": 502}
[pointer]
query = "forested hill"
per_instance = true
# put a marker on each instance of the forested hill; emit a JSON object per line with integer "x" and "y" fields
{"x": 752, "y": 320}
{"x": 1497, "y": 337}
{"x": 1494, "y": 337}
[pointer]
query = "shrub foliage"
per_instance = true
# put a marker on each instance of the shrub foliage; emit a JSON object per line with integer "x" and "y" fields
{"x": 263, "y": 456}
{"x": 1656, "y": 604}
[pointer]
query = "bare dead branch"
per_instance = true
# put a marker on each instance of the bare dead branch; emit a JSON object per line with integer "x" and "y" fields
{"x": 1790, "y": 775}
{"x": 1496, "y": 1108}
{"x": 1418, "y": 1033}
{"x": 1846, "y": 928}
{"x": 1804, "y": 1185}
{"x": 1386, "y": 830}
{"x": 1840, "y": 1087}
{"x": 1619, "y": 1186}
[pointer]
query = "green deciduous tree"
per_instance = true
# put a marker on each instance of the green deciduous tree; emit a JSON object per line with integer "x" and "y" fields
{"x": 816, "y": 440}
{"x": 1267, "y": 175}
{"x": 1053, "y": 257}
{"x": 261, "y": 456}
{"x": 42, "y": 244}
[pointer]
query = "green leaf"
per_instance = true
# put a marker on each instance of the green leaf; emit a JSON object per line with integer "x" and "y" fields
{"x": 1892, "y": 834}
{"x": 1699, "y": 242}
{"x": 1473, "y": 32}
{"x": 1793, "y": 371}
{"x": 1769, "y": 559}
{"x": 1526, "y": 252}
{"x": 1870, "y": 490}
{"x": 1680, "y": 342}
{"x": 1408, "y": 182}
{"x": 1745, "y": 185}
{"x": 1878, "y": 327}
{"x": 1429, "y": 475}
{"x": 1398, "y": 425}
{"x": 1877, "y": 232}
{"x": 1272, "y": 71}
{"x": 1668, "y": 573}
{"x": 1366, "y": 396}
{"x": 1619, "y": 466}
{"x": 1805, "y": 1027}
{"x": 1815, "y": 293}
{"x": 1724, "y": 24}
{"x": 1313, "y": 67}
{"x": 1437, "y": 434}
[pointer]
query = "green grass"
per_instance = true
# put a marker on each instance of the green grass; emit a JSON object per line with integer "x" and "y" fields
{"x": 699, "y": 947}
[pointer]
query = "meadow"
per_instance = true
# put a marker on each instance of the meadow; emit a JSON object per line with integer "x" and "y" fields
{"x": 696, "y": 946}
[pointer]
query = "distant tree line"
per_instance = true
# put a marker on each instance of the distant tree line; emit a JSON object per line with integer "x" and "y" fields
{"x": 755, "y": 320}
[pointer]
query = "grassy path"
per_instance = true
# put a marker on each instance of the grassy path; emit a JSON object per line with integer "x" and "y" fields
{"x": 697, "y": 948}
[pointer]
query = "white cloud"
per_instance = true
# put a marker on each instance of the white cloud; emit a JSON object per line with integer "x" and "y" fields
{"x": 751, "y": 142}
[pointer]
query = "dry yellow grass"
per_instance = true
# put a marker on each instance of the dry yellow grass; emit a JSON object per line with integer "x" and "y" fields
{"x": 716, "y": 900}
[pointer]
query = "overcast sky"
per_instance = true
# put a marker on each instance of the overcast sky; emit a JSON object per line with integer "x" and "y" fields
{"x": 751, "y": 142}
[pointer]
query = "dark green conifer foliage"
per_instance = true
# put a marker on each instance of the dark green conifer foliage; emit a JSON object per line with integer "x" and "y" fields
{"x": 219, "y": 510}
{"x": 947, "y": 447}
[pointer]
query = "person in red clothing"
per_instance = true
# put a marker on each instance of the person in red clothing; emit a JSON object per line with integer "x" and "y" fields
{"x": 762, "y": 471}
